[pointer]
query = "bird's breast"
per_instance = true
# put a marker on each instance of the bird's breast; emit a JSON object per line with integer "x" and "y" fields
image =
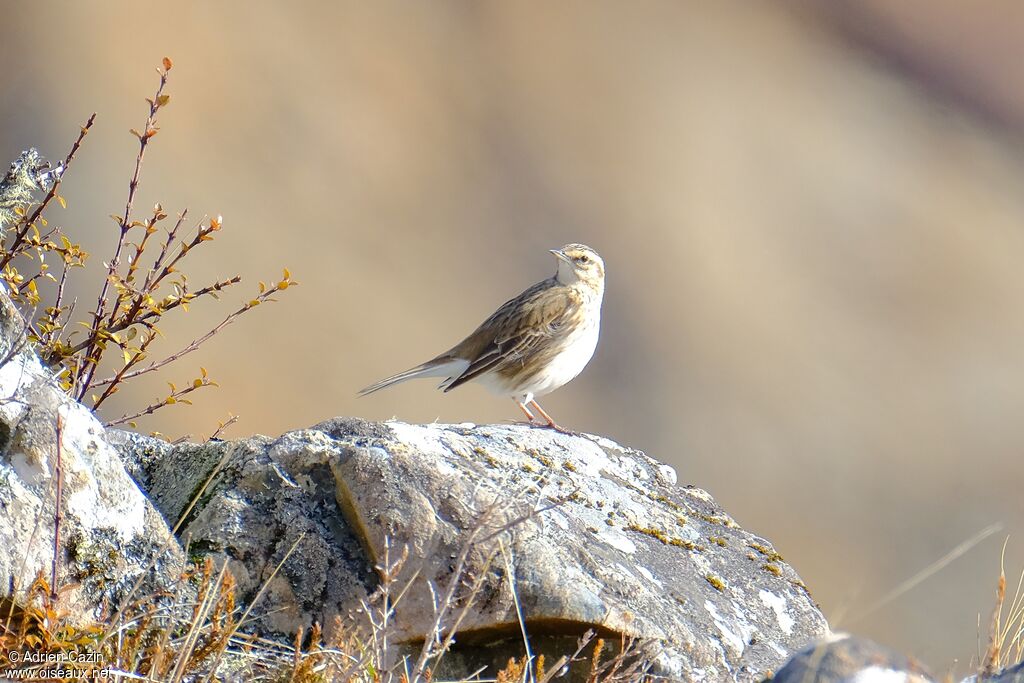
{"x": 568, "y": 361}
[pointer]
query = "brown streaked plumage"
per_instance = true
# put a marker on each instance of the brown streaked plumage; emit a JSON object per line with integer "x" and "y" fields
{"x": 534, "y": 343}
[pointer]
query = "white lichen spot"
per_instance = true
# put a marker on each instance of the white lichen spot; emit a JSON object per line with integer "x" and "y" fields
{"x": 32, "y": 471}
{"x": 427, "y": 439}
{"x": 649, "y": 576}
{"x": 729, "y": 637}
{"x": 777, "y": 603}
{"x": 617, "y": 540}
{"x": 557, "y": 517}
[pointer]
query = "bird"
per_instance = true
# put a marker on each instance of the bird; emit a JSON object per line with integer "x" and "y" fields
{"x": 533, "y": 344}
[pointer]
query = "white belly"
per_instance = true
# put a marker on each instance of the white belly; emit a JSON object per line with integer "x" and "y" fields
{"x": 563, "y": 369}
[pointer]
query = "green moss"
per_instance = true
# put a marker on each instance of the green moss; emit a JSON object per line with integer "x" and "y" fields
{"x": 768, "y": 553}
{"x": 663, "y": 537}
{"x": 198, "y": 550}
{"x": 718, "y": 540}
{"x": 95, "y": 559}
{"x": 721, "y": 521}
{"x": 664, "y": 500}
{"x": 772, "y": 569}
{"x": 568, "y": 466}
{"x": 715, "y": 582}
{"x": 683, "y": 543}
{"x": 541, "y": 458}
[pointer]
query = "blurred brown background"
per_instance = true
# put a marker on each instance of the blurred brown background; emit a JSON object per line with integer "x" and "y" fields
{"x": 811, "y": 214}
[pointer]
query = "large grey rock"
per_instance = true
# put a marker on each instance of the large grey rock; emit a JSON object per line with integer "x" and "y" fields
{"x": 583, "y": 532}
{"x": 850, "y": 659}
{"x": 1011, "y": 674}
{"x": 110, "y": 534}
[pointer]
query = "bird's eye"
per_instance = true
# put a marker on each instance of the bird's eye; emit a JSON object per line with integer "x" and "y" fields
{"x": 583, "y": 259}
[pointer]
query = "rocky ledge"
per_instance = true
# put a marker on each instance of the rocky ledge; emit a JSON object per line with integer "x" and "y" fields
{"x": 570, "y": 532}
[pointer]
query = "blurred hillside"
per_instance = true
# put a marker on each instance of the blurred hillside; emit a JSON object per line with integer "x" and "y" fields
{"x": 811, "y": 216}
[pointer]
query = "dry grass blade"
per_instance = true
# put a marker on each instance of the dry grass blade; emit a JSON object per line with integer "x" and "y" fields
{"x": 930, "y": 570}
{"x": 1006, "y": 634}
{"x": 252, "y": 603}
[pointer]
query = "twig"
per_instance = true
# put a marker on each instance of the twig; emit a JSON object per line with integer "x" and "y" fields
{"x": 194, "y": 344}
{"x": 562, "y": 661}
{"x": 222, "y": 427}
{"x": 175, "y": 397}
{"x": 118, "y": 378}
{"x": 124, "y": 224}
{"x": 26, "y": 225}
{"x": 58, "y": 512}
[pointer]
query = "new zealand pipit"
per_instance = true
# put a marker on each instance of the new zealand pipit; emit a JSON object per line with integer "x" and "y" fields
{"x": 534, "y": 343}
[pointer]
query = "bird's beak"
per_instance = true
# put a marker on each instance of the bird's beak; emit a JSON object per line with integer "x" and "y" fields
{"x": 559, "y": 254}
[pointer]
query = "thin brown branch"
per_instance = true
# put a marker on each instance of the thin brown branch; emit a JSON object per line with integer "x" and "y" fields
{"x": 195, "y": 343}
{"x": 58, "y": 513}
{"x": 155, "y": 274}
{"x": 54, "y": 311}
{"x": 26, "y": 224}
{"x": 175, "y": 397}
{"x": 158, "y": 264}
{"x": 133, "y": 264}
{"x": 223, "y": 427}
{"x": 112, "y": 385}
{"x": 124, "y": 224}
{"x": 149, "y": 316}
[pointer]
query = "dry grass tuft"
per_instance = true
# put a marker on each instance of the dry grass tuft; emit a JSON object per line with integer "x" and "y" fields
{"x": 1006, "y": 633}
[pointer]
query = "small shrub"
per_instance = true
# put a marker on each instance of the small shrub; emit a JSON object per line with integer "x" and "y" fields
{"x": 96, "y": 353}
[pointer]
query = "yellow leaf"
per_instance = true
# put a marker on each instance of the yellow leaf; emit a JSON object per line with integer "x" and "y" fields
{"x": 63, "y": 203}
{"x": 170, "y": 400}
{"x": 197, "y": 383}
{"x": 167, "y": 63}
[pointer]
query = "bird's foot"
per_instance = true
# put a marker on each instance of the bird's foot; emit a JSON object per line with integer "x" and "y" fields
{"x": 557, "y": 427}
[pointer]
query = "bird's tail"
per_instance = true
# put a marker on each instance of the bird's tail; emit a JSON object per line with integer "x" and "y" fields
{"x": 438, "y": 367}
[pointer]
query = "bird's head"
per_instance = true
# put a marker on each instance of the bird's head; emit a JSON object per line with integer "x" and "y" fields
{"x": 579, "y": 263}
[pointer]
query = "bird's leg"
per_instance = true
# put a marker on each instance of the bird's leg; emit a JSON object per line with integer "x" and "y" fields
{"x": 529, "y": 415}
{"x": 551, "y": 423}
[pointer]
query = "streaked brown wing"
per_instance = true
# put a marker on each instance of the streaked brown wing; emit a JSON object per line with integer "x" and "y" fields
{"x": 517, "y": 330}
